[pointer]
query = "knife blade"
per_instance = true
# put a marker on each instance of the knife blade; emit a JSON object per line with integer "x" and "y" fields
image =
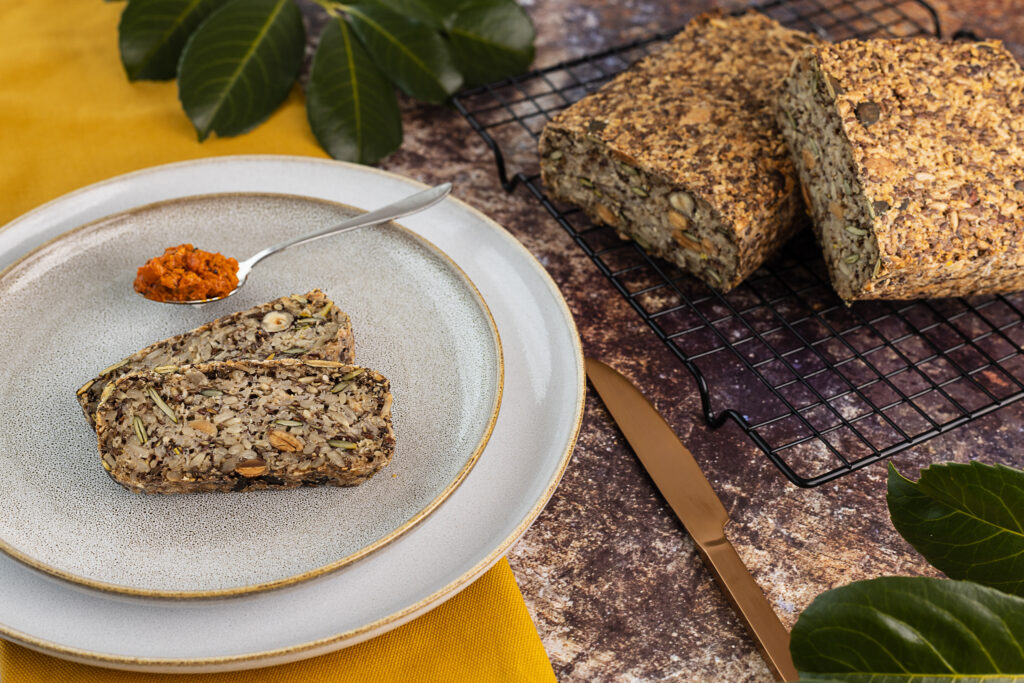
{"x": 679, "y": 479}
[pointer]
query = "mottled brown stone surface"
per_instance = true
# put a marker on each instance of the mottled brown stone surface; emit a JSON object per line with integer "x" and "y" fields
{"x": 610, "y": 577}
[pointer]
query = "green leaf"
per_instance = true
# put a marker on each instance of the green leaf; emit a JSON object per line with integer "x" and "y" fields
{"x": 435, "y": 13}
{"x": 415, "y": 57}
{"x": 152, "y": 34}
{"x": 966, "y": 519}
{"x": 351, "y": 106}
{"x": 491, "y": 41}
{"x": 430, "y": 12}
{"x": 240, "y": 64}
{"x": 873, "y": 678}
{"x": 911, "y": 629}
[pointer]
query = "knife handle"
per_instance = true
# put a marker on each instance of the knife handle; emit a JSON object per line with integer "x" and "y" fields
{"x": 746, "y": 596}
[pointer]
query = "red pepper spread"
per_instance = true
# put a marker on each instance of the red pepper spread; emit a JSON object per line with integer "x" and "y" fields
{"x": 185, "y": 273}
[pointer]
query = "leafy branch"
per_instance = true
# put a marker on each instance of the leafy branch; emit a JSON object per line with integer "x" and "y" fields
{"x": 237, "y": 60}
{"x": 968, "y": 521}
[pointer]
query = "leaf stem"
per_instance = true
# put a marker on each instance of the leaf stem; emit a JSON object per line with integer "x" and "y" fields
{"x": 332, "y": 7}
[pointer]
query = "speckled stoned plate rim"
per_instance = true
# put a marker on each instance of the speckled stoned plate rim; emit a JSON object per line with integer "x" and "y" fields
{"x": 89, "y": 203}
{"x": 358, "y": 554}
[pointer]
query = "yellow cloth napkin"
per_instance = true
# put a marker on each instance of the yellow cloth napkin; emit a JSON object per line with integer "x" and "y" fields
{"x": 69, "y": 117}
{"x": 482, "y": 634}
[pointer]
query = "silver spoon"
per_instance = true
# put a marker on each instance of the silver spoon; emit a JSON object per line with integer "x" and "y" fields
{"x": 403, "y": 207}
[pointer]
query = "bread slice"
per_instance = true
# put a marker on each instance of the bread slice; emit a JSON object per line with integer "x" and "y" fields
{"x": 681, "y": 152}
{"x": 301, "y": 326}
{"x": 912, "y": 156}
{"x": 244, "y": 424}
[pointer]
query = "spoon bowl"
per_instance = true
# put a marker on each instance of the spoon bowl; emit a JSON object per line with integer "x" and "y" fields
{"x": 403, "y": 207}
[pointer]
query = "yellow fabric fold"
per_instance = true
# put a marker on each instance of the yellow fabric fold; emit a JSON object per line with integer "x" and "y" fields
{"x": 482, "y": 634}
{"x": 70, "y": 117}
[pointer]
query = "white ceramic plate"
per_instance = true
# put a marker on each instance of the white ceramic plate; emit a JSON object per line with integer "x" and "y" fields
{"x": 416, "y": 319}
{"x": 529, "y": 448}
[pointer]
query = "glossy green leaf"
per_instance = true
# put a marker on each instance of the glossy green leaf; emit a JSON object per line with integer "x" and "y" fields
{"x": 240, "y": 65}
{"x": 873, "y": 678}
{"x": 436, "y": 13}
{"x": 152, "y": 34}
{"x": 897, "y": 629}
{"x": 351, "y": 106}
{"x": 415, "y": 57}
{"x": 429, "y": 12}
{"x": 966, "y": 519}
{"x": 491, "y": 41}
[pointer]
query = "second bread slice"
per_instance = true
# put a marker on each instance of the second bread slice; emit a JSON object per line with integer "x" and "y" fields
{"x": 306, "y": 325}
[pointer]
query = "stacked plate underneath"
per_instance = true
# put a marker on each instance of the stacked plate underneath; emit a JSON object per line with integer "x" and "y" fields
{"x": 486, "y": 372}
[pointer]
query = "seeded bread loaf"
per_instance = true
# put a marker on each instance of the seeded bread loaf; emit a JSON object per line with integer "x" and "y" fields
{"x": 303, "y": 326}
{"x": 681, "y": 152}
{"x": 911, "y": 153}
{"x": 235, "y": 425}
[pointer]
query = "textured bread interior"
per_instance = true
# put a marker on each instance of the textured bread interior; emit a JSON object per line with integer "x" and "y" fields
{"x": 246, "y": 424}
{"x": 662, "y": 217}
{"x": 828, "y": 175}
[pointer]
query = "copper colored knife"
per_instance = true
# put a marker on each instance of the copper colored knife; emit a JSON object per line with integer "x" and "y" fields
{"x": 677, "y": 475}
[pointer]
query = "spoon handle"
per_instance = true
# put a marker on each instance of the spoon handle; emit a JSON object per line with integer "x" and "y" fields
{"x": 403, "y": 207}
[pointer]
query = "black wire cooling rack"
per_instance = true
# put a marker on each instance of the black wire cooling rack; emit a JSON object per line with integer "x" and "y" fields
{"x": 841, "y": 387}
